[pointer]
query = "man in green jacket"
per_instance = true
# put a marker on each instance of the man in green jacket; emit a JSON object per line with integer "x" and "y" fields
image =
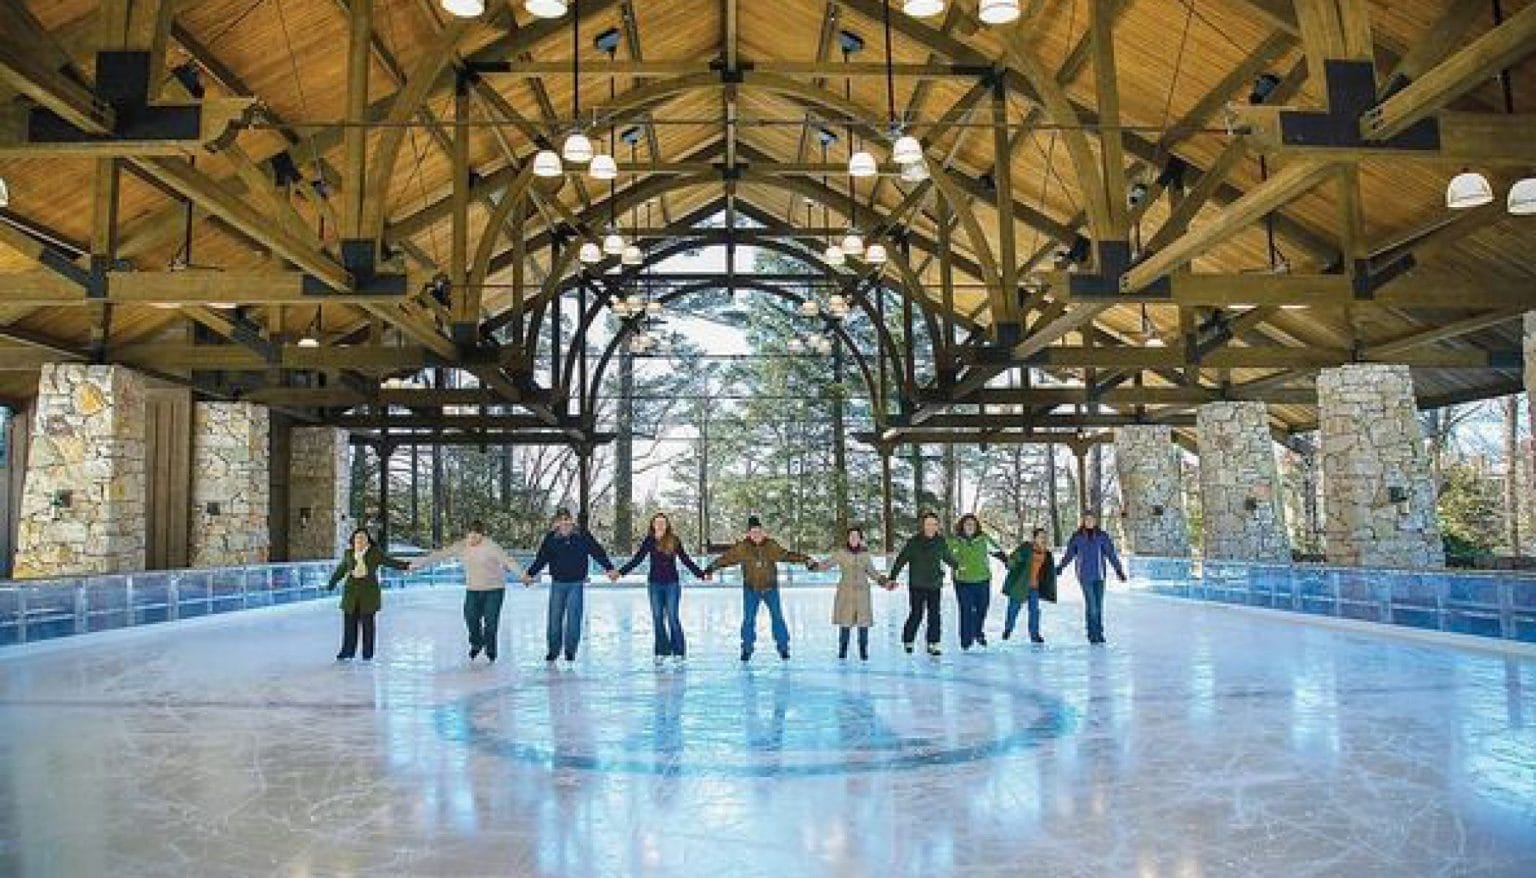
{"x": 759, "y": 557}
{"x": 926, "y": 553}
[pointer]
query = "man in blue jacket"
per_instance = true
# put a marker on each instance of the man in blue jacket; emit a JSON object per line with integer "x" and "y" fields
{"x": 1093, "y": 550}
{"x": 566, "y": 549}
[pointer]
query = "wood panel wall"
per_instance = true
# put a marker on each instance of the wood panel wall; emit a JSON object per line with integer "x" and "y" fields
{"x": 168, "y": 459}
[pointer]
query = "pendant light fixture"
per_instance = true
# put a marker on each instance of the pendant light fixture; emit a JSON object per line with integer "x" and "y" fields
{"x": 5, "y": 194}
{"x": 1468, "y": 189}
{"x": 578, "y": 148}
{"x": 906, "y": 150}
{"x": 998, "y": 11}
{"x": 875, "y": 254}
{"x": 922, "y": 8}
{"x": 547, "y": 164}
{"x": 1522, "y": 197}
{"x": 545, "y": 8}
{"x": 603, "y": 166}
{"x": 464, "y": 8}
{"x": 853, "y": 242}
{"x": 860, "y": 162}
{"x": 833, "y": 255}
{"x": 590, "y": 253}
{"x": 916, "y": 172}
{"x": 311, "y": 337}
{"x": 613, "y": 243}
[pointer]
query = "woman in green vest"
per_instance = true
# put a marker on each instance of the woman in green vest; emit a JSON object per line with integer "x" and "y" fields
{"x": 362, "y": 596}
{"x": 973, "y": 549}
{"x": 1031, "y": 578}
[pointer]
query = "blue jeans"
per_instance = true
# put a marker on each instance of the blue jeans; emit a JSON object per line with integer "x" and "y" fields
{"x": 482, "y": 613}
{"x": 973, "y": 599}
{"x": 751, "y": 598}
{"x": 1014, "y": 605}
{"x": 665, "y": 597}
{"x": 564, "y": 631}
{"x": 1093, "y": 608}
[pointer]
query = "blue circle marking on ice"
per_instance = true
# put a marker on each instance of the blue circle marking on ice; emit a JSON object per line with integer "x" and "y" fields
{"x": 753, "y": 725}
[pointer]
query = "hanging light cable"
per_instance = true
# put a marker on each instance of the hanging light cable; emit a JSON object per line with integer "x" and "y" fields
{"x": 613, "y": 242}
{"x": 860, "y": 162}
{"x": 578, "y": 148}
{"x": 603, "y": 166}
{"x": 833, "y": 255}
{"x": 906, "y": 150}
{"x": 853, "y": 242}
{"x": 633, "y": 255}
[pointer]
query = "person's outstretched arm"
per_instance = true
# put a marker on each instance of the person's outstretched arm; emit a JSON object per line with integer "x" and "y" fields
{"x": 431, "y": 559}
{"x": 729, "y": 558}
{"x": 682, "y": 555}
{"x": 645, "y": 549}
{"x": 339, "y": 573}
{"x": 782, "y": 554}
{"x": 508, "y": 563}
{"x": 1114, "y": 558}
{"x": 1067, "y": 557}
{"x": 903, "y": 558}
{"x": 390, "y": 561}
{"x": 539, "y": 560}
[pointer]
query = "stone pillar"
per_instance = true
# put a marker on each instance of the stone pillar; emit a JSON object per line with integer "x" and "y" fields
{"x": 1530, "y": 358}
{"x": 82, "y": 504}
{"x": 1241, "y": 517}
{"x": 230, "y": 485}
{"x": 1378, "y": 495}
{"x": 319, "y": 493}
{"x": 1151, "y": 491}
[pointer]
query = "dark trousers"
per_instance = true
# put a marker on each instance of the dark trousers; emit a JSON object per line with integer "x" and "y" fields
{"x": 563, "y": 633}
{"x": 482, "y": 614}
{"x": 665, "y": 623}
{"x": 1014, "y": 605}
{"x": 350, "y": 624}
{"x": 842, "y": 642}
{"x": 973, "y": 600}
{"x": 1093, "y": 609}
{"x": 922, "y": 601}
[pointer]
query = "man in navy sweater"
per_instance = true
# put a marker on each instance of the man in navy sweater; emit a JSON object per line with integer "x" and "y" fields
{"x": 566, "y": 549}
{"x": 1093, "y": 550}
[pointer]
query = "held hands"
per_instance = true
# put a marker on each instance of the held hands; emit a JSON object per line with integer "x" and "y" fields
{"x": 527, "y": 580}
{"x": 614, "y": 575}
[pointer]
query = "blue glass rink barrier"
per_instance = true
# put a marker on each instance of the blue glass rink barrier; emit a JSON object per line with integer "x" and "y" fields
{"x": 33, "y": 610}
{"x": 1486, "y": 604}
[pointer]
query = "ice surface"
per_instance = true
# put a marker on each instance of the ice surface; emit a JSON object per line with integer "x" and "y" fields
{"x": 1201, "y": 742}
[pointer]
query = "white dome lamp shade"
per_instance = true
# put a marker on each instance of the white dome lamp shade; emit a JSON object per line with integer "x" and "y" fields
{"x": 1522, "y": 197}
{"x": 636, "y": 302}
{"x": 998, "y": 11}
{"x": 834, "y": 255}
{"x": 809, "y": 308}
{"x": 590, "y": 254}
{"x": 464, "y": 8}
{"x": 916, "y": 172}
{"x": 1468, "y": 189}
{"x": 604, "y": 168}
{"x": 795, "y": 346}
{"x": 853, "y": 243}
{"x": 633, "y": 255}
{"x": 545, "y": 8}
{"x": 547, "y": 164}
{"x": 577, "y": 149}
{"x": 5, "y": 194}
{"x": 906, "y": 150}
{"x": 922, "y": 8}
{"x": 875, "y": 254}
{"x": 862, "y": 164}
{"x": 613, "y": 243}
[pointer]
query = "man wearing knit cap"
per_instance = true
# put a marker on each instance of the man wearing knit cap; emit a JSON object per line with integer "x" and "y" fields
{"x": 568, "y": 551}
{"x": 759, "y": 557}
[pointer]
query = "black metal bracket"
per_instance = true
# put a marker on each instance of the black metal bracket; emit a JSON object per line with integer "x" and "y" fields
{"x": 1114, "y": 261}
{"x": 122, "y": 83}
{"x": 1351, "y": 94}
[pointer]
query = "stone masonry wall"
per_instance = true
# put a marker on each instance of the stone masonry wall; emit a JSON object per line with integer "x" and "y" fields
{"x": 1242, "y": 518}
{"x": 319, "y": 493}
{"x": 1378, "y": 495}
{"x": 1151, "y": 491}
{"x": 82, "y": 506}
{"x": 230, "y": 484}
{"x": 1530, "y": 356}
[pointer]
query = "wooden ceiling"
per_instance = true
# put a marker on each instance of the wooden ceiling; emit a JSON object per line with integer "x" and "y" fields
{"x": 1282, "y": 281}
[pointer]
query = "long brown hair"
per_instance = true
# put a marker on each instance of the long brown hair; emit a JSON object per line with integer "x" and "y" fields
{"x": 669, "y": 542}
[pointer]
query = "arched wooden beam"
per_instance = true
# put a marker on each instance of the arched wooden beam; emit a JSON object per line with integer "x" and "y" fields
{"x": 870, "y": 384}
{"x": 888, "y": 347}
{"x": 511, "y": 197}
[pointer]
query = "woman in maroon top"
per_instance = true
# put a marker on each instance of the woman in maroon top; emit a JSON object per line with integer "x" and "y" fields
{"x": 663, "y": 548}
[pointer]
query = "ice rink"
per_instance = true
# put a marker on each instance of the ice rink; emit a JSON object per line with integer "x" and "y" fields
{"x": 1202, "y": 741}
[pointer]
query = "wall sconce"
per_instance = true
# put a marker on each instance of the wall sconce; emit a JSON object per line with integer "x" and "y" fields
{"x": 1251, "y": 504}
{"x": 62, "y": 499}
{"x": 212, "y": 508}
{"x": 306, "y": 514}
{"x": 1157, "y": 509}
{"x": 1397, "y": 494}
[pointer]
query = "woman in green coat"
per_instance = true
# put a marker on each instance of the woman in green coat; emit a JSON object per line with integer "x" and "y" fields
{"x": 973, "y": 549}
{"x": 362, "y": 597}
{"x": 1031, "y": 576}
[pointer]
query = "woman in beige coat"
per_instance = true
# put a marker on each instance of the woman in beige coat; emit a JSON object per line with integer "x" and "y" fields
{"x": 851, "y": 608}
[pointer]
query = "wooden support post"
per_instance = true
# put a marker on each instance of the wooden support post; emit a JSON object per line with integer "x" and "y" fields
{"x": 1002, "y": 158}
{"x": 887, "y": 506}
{"x": 355, "y": 138}
{"x": 1080, "y": 451}
{"x": 1111, "y": 141}
{"x": 466, "y": 302}
{"x": 104, "y": 200}
{"x": 385, "y": 451}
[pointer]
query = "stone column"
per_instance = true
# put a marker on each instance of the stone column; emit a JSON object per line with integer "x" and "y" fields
{"x": 1241, "y": 517}
{"x": 1151, "y": 491}
{"x": 82, "y": 503}
{"x": 1530, "y": 358}
{"x": 230, "y": 485}
{"x": 1378, "y": 495}
{"x": 319, "y": 493}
